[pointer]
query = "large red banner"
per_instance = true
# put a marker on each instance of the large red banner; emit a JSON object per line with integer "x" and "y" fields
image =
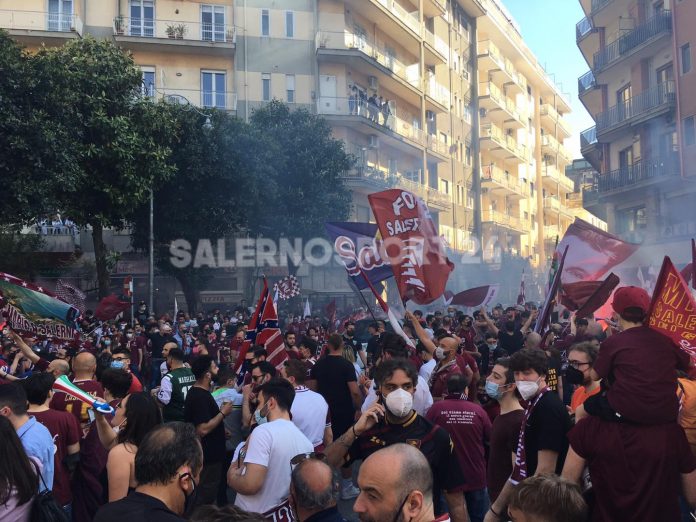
{"x": 673, "y": 308}
{"x": 411, "y": 245}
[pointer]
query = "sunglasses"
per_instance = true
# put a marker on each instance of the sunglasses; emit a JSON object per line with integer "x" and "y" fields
{"x": 299, "y": 459}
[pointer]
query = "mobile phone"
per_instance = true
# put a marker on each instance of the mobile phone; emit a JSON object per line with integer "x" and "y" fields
{"x": 90, "y": 414}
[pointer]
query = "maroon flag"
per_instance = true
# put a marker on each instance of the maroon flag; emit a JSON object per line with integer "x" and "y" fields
{"x": 110, "y": 307}
{"x": 411, "y": 244}
{"x": 592, "y": 253}
{"x": 546, "y": 309}
{"x": 672, "y": 310}
{"x": 479, "y": 296}
{"x": 330, "y": 311}
{"x": 585, "y": 297}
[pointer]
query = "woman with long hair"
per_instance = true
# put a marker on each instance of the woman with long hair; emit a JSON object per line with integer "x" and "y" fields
{"x": 136, "y": 415}
{"x": 19, "y": 481}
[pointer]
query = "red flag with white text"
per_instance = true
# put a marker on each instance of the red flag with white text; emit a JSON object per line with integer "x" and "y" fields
{"x": 411, "y": 244}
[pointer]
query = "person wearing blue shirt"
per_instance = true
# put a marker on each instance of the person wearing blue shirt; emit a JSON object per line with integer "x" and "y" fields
{"x": 35, "y": 437}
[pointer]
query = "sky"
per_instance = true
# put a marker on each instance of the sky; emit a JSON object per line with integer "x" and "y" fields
{"x": 548, "y": 28}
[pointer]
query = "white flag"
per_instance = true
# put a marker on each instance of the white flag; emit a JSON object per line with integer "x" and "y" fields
{"x": 307, "y": 309}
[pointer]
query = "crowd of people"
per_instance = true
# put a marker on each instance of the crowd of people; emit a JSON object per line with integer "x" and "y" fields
{"x": 465, "y": 417}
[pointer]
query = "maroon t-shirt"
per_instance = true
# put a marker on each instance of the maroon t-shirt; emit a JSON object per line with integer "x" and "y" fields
{"x": 135, "y": 345}
{"x": 64, "y": 402}
{"x": 635, "y": 470}
{"x": 65, "y": 432}
{"x": 470, "y": 429}
{"x": 640, "y": 366}
{"x": 504, "y": 436}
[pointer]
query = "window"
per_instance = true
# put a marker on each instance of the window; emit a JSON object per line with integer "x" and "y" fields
{"x": 685, "y": 58}
{"x": 289, "y": 24}
{"x": 689, "y": 131}
{"x": 665, "y": 74}
{"x": 213, "y": 23}
{"x": 266, "y": 86}
{"x": 265, "y": 23}
{"x": 148, "y": 88}
{"x": 142, "y": 18}
{"x": 290, "y": 87}
{"x": 445, "y": 186}
{"x": 60, "y": 15}
{"x": 213, "y": 89}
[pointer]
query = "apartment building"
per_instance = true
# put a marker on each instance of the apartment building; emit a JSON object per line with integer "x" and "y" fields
{"x": 639, "y": 90}
{"x": 439, "y": 97}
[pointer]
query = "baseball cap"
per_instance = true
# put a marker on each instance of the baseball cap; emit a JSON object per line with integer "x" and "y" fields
{"x": 630, "y": 297}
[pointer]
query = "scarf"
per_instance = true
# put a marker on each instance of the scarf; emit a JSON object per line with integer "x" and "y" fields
{"x": 519, "y": 470}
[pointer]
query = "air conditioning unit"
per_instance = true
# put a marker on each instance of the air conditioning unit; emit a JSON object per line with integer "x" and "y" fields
{"x": 374, "y": 141}
{"x": 430, "y": 115}
{"x": 372, "y": 82}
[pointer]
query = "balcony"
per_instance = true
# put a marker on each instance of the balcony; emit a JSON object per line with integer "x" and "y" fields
{"x": 557, "y": 180}
{"x": 499, "y": 108}
{"x": 224, "y": 101}
{"x": 371, "y": 59}
{"x": 631, "y": 42}
{"x": 393, "y": 19}
{"x": 551, "y": 146}
{"x": 590, "y": 148}
{"x": 583, "y": 28}
{"x": 433, "y": 197}
{"x": 552, "y": 118}
{"x": 492, "y": 60}
{"x": 512, "y": 223}
{"x": 34, "y": 27}
{"x": 496, "y": 179}
{"x": 351, "y": 112}
{"x": 501, "y": 145}
{"x": 586, "y": 83}
{"x": 142, "y": 34}
{"x": 437, "y": 145}
{"x": 551, "y": 203}
{"x": 438, "y": 93}
{"x": 638, "y": 175}
{"x": 551, "y": 232}
{"x": 588, "y": 138}
{"x": 648, "y": 104}
{"x": 436, "y": 49}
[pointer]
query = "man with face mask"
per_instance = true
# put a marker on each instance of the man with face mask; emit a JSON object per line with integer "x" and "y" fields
{"x": 121, "y": 358}
{"x": 393, "y": 420}
{"x": 505, "y": 431}
{"x": 446, "y": 355}
{"x": 351, "y": 342}
{"x": 261, "y": 475}
{"x": 510, "y": 337}
{"x": 201, "y": 410}
{"x": 158, "y": 340}
{"x": 542, "y": 443}
{"x": 581, "y": 357}
{"x": 167, "y": 468}
{"x": 175, "y": 386}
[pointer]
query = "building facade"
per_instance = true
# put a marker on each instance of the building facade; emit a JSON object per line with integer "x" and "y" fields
{"x": 438, "y": 97}
{"x": 643, "y": 144}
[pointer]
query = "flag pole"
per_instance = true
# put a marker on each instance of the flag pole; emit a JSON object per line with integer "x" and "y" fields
{"x": 369, "y": 309}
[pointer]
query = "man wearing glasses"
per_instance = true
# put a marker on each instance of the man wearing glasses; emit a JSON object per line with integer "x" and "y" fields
{"x": 581, "y": 357}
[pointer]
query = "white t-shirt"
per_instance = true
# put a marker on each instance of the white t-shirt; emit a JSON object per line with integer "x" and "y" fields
{"x": 426, "y": 369}
{"x": 310, "y": 413}
{"x": 422, "y": 399}
{"x": 273, "y": 445}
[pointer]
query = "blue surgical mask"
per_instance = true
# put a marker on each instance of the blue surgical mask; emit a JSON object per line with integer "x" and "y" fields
{"x": 260, "y": 419}
{"x": 493, "y": 390}
{"x": 117, "y": 364}
{"x": 107, "y": 342}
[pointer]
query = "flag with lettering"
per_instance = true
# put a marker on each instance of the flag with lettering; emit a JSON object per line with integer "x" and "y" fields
{"x": 358, "y": 247}
{"x": 412, "y": 245}
{"x": 673, "y": 308}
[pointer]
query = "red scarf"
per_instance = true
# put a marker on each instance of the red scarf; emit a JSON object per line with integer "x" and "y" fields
{"x": 519, "y": 470}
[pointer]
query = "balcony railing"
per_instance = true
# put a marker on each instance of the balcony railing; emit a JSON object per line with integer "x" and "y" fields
{"x": 437, "y": 144}
{"x": 223, "y": 100}
{"x": 438, "y": 92}
{"x": 643, "y": 171}
{"x": 552, "y": 203}
{"x": 583, "y": 28}
{"x": 548, "y": 110}
{"x": 498, "y": 218}
{"x": 348, "y": 41}
{"x": 494, "y": 174}
{"x": 586, "y": 82}
{"x": 661, "y": 95}
{"x": 588, "y": 137}
{"x": 658, "y": 25}
{"x": 551, "y": 232}
{"x": 599, "y": 4}
{"x": 436, "y": 43}
{"x": 495, "y": 133}
{"x": 552, "y": 144}
{"x": 410, "y": 20}
{"x": 40, "y": 21}
{"x": 428, "y": 194}
{"x": 352, "y": 107}
{"x": 173, "y": 30}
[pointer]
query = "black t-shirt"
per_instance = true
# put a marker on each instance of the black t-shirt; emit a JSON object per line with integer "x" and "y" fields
{"x": 354, "y": 344}
{"x": 510, "y": 343}
{"x": 546, "y": 430}
{"x": 333, "y": 373}
{"x": 158, "y": 341}
{"x": 136, "y": 507}
{"x": 432, "y": 440}
{"x": 374, "y": 347}
{"x": 200, "y": 407}
{"x": 554, "y": 373}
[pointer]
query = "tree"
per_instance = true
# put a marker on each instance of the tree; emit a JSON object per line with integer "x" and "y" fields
{"x": 307, "y": 188}
{"x": 218, "y": 181}
{"x": 117, "y": 143}
{"x": 34, "y": 164}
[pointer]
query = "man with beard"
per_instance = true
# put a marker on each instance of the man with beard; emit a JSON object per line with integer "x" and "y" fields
{"x": 396, "y": 484}
{"x": 201, "y": 410}
{"x": 393, "y": 420}
{"x": 581, "y": 358}
{"x": 290, "y": 348}
{"x": 351, "y": 342}
{"x": 158, "y": 340}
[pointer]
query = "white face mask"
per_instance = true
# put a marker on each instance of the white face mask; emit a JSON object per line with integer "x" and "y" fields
{"x": 399, "y": 402}
{"x": 527, "y": 389}
{"x": 440, "y": 353}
